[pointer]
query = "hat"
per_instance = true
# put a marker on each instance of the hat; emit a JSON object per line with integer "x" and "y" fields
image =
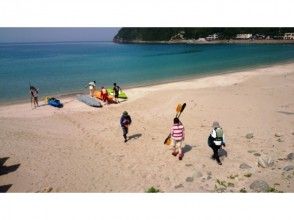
{"x": 125, "y": 113}
{"x": 215, "y": 124}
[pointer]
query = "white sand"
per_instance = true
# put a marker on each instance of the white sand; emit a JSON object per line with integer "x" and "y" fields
{"x": 80, "y": 149}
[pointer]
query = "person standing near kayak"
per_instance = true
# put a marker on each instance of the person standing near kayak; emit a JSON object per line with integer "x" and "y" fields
{"x": 216, "y": 140}
{"x": 125, "y": 122}
{"x": 92, "y": 87}
{"x": 34, "y": 96}
{"x": 104, "y": 95}
{"x": 116, "y": 90}
{"x": 178, "y": 135}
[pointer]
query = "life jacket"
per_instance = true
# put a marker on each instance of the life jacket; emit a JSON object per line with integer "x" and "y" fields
{"x": 219, "y": 134}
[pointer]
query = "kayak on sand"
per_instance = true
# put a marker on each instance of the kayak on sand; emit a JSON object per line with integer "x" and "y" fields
{"x": 88, "y": 100}
{"x": 98, "y": 95}
{"x": 121, "y": 95}
{"x": 54, "y": 102}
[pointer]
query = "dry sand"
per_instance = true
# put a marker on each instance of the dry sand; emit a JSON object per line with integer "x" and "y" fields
{"x": 81, "y": 149}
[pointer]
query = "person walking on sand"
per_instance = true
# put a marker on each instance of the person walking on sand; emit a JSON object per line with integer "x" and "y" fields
{"x": 125, "y": 122}
{"x": 116, "y": 90}
{"x": 216, "y": 140}
{"x": 178, "y": 135}
{"x": 34, "y": 96}
{"x": 92, "y": 87}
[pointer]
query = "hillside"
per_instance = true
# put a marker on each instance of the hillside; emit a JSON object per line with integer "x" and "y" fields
{"x": 128, "y": 35}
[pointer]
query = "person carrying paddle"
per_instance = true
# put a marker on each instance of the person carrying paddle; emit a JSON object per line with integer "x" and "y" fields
{"x": 92, "y": 87}
{"x": 216, "y": 140}
{"x": 125, "y": 122}
{"x": 116, "y": 90}
{"x": 34, "y": 96}
{"x": 178, "y": 135}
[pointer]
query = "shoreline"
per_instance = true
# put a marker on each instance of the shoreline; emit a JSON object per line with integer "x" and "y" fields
{"x": 133, "y": 86}
{"x": 232, "y": 41}
{"x": 86, "y": 152}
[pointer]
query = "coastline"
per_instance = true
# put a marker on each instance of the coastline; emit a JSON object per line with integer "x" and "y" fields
{"x": 133, "y": 86}
{"x": 84, "y": 147}
{"x": 232, "y": 41}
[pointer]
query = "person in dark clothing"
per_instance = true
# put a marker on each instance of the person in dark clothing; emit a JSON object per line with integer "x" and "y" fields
{"x": 34, "y": 96}
{"x": 125, "y": 122}
{"x": 216, "y": 140}
{"x": 116, "y": 90}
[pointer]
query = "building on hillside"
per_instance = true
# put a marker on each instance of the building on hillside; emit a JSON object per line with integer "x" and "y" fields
{"x": 289, "y": 36}
{"x": 212, "y": 37}
{"x": 243, "y": 36}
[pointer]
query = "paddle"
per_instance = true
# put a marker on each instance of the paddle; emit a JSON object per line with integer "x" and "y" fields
{"x": 31, "y": 96}
{"x": 180, "y": 108}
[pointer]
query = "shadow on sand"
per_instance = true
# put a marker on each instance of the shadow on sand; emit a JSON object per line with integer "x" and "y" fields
{"x": 135, "y": 136}
{"x": 187, "y": 148}
{"x": 5, "y": 170}
{"x": 5, "y": 188}
{"x": 286, "y": 113}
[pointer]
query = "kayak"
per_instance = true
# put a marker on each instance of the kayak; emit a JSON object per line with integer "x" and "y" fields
{"x": 121, "y": 95}
{"x": 98, "y": 95}
{"x": 54, "y": 102}
{"x": 88, "y": 100}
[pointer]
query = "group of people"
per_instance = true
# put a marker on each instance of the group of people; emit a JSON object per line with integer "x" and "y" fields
{"x": 92, "y": 88}
{"x": 216, "y": 139}
{"x": 104, "y": 93}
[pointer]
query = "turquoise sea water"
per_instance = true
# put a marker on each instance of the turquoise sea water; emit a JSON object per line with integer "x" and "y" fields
{"x": 62, "y": 68}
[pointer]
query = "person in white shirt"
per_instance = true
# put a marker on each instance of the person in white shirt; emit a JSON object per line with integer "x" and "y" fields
{"x": 92, "y": 87}
{"x": 216, "y": 140}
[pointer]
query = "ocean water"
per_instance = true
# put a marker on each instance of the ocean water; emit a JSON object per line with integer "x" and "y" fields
{"x": 64, "y": 68}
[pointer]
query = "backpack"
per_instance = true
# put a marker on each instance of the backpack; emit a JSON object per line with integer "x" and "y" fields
{"x": 219, "y": 133}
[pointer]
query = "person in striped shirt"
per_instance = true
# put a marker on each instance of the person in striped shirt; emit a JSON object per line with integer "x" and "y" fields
{"x": 178, "y": 135}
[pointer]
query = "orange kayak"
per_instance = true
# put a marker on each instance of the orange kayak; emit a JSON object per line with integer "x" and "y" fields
{"x": 97, "y": 94}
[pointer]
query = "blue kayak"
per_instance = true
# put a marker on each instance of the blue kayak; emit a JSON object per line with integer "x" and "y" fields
{"x": 55, "y": 102}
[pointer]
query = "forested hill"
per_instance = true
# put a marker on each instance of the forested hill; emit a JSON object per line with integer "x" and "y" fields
{"x": 166, "y": 34}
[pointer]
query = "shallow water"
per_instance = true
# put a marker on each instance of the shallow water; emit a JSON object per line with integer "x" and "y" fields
{"x": 61, "y": 68}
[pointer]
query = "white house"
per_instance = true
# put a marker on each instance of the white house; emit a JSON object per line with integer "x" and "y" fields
{"x": 244, "y": 36}
{"x": 289, "y": 36}
{"x": 212, "y": 37}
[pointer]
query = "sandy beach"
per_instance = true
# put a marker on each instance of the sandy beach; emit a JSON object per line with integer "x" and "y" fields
{"x": 80, "y": 149}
